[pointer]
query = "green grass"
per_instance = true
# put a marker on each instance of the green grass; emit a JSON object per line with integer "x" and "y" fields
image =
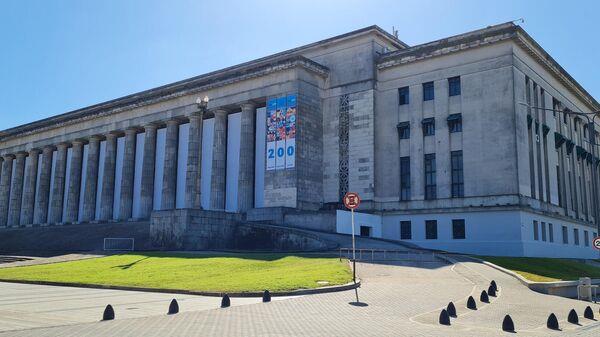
{"x": 199, "y": 272}
{"x": 545, "y": 269}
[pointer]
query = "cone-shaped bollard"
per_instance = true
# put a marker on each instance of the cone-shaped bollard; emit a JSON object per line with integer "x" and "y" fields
{"x": 225, "y": 302}
{"x": 573, "y": 318}
{"x": 491, "y": 291}
{"x": 451, "y": 310}
{"x": 173, "y": 307}
{"x": 109, "y": 313}
{"x": 471, "y": 303}
{"x": 493, "y": 285}
{"x": 484, "y": 297}
{"x": 444, "y": 318}
{"x": 266, "y": 296}
{"x": 552, "y": 322}
{"x": 507, "y": 324}
{"x": 588, "y": 313}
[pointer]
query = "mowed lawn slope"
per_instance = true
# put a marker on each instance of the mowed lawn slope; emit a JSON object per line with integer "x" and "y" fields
{"x": 199, "y": 272}
{"x": 545, "y": 269}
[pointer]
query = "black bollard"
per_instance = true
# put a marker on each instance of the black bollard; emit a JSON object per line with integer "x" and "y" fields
{"x": 225, "y": 302}
{"x": 471, "y": 303}
{"x": 552, "y": 322}
{"x": 491, "y": 291}
{"x": 588, "y": 313}
{"x": 573, "y": 318}
{"x": 173, "y": 307}
{"x": 266, "y": 296}
{"x": 451, "y": 310}
{"x": 109, "y": 313}
{"x": 484, "y": 297}
{"x": 493, "y": 285}
{"x": 444, "y": 318}
{"x": 507, "y": 324}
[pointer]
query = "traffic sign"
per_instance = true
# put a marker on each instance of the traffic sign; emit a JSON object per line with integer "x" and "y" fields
{"x": 351, "y": 200}
{"x": 596, "y": 242}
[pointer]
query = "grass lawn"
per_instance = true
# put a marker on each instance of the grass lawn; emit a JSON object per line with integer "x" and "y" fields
{"x": 545, "y": 269}
{"x": 200, "y": 272}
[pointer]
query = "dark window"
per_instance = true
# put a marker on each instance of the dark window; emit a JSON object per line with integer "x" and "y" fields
{"x": 428, "y": 127}
{"x": 405, "y": 178}
{"x": 403, "y": 96}
{"x": 550, "y": 233}
{"x": 536, "y": 235}
{"x": 458, "y": 229}
{"x": 365, "y": 231}
{"x": 565, "y": 235}
{"x": 586, "y": 238}
{"x": 576, "y": 236}
{"x": 430, "y": 229}
{"x": 428, "y": 91}
{"x": 543, "y": 231}
{"x": 404, "y": 130}
{"x": 454, "y": 86}
{"x": 405, "y": 230}
{"x": 455, "y": 123}
{"x": 458, "y": 185}
{"x": 430, "y": 177}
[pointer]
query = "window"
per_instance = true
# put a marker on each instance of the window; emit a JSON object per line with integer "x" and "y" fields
{"x": 586, "y": 238}
{"x": 454, "y": 86}
{"x": 405, "y": 230}
{"x": 536, "y": 234}
{"x": 458, "y": 189}
{"x": 543, "y": 231}
{"x": 576, "y": 236}
{"x": 403, "y": 96}
{"x": 428, "y": 126}
{"x": 430, "y": 229}
{"x": 405, "y": 178}
{"x": 428, "y": 91}
{"x": 365, "y": 231}
{"x": 455, "y": 123}
{"x": 458, "y": 229}
{"x": 565, "y": 235}
{"x": 430, "y": 177}
{"x": 550, "y": 233}
{"x": 403, "y": 130}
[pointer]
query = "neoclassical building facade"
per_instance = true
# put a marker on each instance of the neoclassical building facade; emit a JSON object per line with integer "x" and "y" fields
{"x": 475, "y": 143}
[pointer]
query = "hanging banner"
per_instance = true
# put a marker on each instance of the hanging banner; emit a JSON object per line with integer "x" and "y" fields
{"x": 290, "y": 132}
{"x": 280, "y": 136}
{"x": 271, "y": 133}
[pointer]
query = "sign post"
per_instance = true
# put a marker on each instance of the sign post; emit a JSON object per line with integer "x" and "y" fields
{"x": 351, "y": 201}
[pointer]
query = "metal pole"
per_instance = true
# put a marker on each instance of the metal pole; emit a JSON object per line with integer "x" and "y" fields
{"x": 353, "y": 250}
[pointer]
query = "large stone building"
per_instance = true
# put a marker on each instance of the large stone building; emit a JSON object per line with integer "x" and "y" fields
{"x": 465, "y": 144}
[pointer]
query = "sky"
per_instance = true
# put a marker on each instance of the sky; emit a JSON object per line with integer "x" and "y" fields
{"x": 61, "y": 55}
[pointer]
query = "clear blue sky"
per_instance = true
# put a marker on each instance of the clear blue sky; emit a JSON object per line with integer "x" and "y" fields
{"x": 57, "y": 56}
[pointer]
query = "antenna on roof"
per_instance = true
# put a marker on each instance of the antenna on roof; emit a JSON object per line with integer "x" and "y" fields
{"x": 394, "y": 32}
{"x": 521, "y": 20}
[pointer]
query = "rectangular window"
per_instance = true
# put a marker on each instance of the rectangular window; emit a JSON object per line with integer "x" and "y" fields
{"x": 456, "y": 161}
{"x": 403, "y": 96}
{"x": 405, "y": 178}
{"x": 536, "y": 234}
{"x": 586, "y": 238}
{"x": 430, "y": 177}
{"x": 550, "y": 233}
{"x": 455, "y": 123}
{"x": 365, "y": 231}
{"x": 565, "y": 235}
{"x": 405, "y": 230}
{"x": 403, "y": 130}
{"x": 458, "y": 229}
{"x": 576, "y": 236}
{"x": 428, "y": 126}
{"x": 428, "y": 94}
{"x": 454, "y": 86}
{"x": 430, "y": 229}
{"x": 543, "y": 231}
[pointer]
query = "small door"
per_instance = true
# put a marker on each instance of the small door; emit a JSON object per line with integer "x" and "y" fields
{"x": 365, "y": 231}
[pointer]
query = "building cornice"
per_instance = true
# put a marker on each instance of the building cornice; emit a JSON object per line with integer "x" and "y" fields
{"x": 484, "y": 37}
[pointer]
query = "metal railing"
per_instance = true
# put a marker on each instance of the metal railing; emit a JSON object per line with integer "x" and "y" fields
{"x": 119, "y": 243}
{"x": 368, "y": 254}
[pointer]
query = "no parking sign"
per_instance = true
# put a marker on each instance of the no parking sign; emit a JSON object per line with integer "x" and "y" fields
{"x": 596, "y": 242}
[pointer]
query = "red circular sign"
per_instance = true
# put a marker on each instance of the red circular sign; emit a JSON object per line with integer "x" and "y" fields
{"x": 596, "y": 242}
{"x": 351, "y": 200}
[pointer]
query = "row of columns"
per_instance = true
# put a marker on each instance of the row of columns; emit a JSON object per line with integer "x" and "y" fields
{"x": 19, "y": 205}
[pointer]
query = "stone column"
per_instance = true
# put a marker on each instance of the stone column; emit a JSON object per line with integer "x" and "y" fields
{"x": 148, "y": 165}
{"x": 126, "y": 206}
{"x": 169, "y": 188}
{"x": 58, "y": 190}
{"x": 194, "y": 162}
{"x": 108, "y": 180}
{"x": 5, "y": 181}
{"x": 43, "y": 193}
{"x": 219, "y": 161}
{"x": 247, "y": 152}
{"x": 74, "y": 190}
{"x": 91, "y": 180}
{"x": 28, "y": 207}
{"x": 16, "y": 193}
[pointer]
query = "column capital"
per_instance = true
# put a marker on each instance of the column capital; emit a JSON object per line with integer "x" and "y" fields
{"x": 248, "y": 105}
{"x": 132, "y": 131}
{"x": 78, "y": 142}
{"x": 220, "y": 112}
{"x": 9, "y": 156}
{"x": 95, "y": 139}
{"x": 21, "y": 154}
{"x": 62, "y": 146}
{"x": 195, "y": 115}
{"x": 111, "y": 135}
{"x": 150, "y": 126}
{"x": 49, "y": 148}
{"x": 34, "y": 151}
{"x": 173, "y": 122}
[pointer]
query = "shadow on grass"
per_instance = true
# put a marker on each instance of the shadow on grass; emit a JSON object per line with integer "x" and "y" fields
{"x": 129, "y": 265}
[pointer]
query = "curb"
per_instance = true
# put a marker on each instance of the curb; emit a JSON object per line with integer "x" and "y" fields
{"x": 322, "y": 290}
